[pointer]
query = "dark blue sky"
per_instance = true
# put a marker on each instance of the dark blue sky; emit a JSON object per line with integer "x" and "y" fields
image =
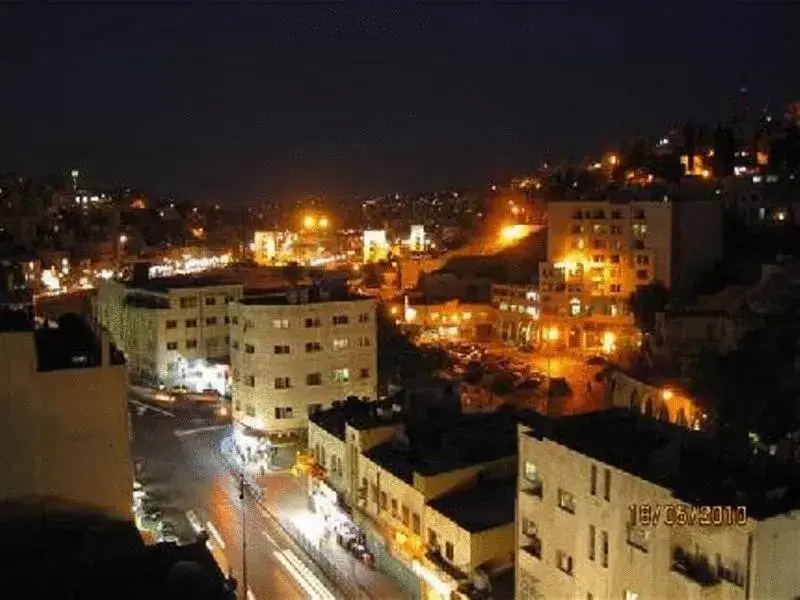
{"x": 238, "y": 103}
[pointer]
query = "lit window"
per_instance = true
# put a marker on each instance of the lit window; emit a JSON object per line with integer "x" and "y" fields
{"x": 566, "y": 501}
{"x": 340, "y": 375}
{"x": 280, "y": 323}
{"x": 341, "y": 344}
{"x": 191, "y": 344}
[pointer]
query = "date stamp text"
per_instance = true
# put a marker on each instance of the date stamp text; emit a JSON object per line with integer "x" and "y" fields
{"x": 680, "y": 515}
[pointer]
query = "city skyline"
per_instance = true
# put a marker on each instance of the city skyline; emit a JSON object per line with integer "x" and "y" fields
{"x": 241, "y": 104}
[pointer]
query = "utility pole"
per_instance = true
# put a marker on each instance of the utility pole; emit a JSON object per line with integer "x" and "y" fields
{"x": 244, "y": 537}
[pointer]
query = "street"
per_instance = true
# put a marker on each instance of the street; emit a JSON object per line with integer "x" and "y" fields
{"x": 184, "y": 470}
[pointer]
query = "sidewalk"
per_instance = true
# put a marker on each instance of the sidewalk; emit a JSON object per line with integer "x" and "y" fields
{"x": 285, "y": 498}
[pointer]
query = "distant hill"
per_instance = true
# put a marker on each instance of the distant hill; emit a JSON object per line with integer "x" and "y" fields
{"x": 516, "y": 264}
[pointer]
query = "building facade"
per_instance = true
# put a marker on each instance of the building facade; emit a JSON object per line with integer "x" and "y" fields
{"x": 296, "y": 352}
{"x": 593, "y": 524}
{"x": 599, "y": 252}
{"x": 65, "y": 421}
{"x": 519, "y": 308}
{"x": 172, "y": 330}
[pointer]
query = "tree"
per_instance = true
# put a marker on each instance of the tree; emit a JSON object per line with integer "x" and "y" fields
{"x": 646, "y": 301}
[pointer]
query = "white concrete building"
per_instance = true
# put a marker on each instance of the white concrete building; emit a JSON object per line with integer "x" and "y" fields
{"x": 295, "y": 352}
{"x": 612, "y": 505}
{"x": 172, "y": 330}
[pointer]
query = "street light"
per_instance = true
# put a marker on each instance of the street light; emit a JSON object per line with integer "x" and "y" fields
{"x": 123, "y": 239}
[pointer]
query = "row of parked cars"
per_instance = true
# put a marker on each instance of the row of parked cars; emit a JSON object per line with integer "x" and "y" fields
{"x": 477, "y": 365}
{"x": 150, "y": 515}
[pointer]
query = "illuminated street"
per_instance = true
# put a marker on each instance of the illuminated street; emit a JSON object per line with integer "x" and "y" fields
{"x": 184, "y": 470}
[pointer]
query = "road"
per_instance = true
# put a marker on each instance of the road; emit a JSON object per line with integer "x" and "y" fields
{"x": 185, "y": 471}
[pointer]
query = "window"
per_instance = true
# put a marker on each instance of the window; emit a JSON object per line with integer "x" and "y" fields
{"x": 250, "y": 410}
{"x": 313, "y": 347}
{"x": 280, "y": 323}
{"x": 394, "y": 507}
{"x": 282, "y": 383}
{"x": 250, "y": 380}
{"x": 629, "y": 595}
{"x": 363, "y": 318}
{"x": 312, "y": 322}
{"x": 235, "y": 344}
{"x": 604, "y": 548}
{"x": 227, "y": 339}
{"x": 172, "y": 324}
{"x": 341, "y": 320}
{"x": 566, "y": 501}
{"x": 341, "y": 344}
{"x": 530, "y": 471}
{"x": 641, "y": 274}
{"x": 210, "y": 301}
{"x": 314, "y": 379}
{"x": 189, "y": 302}
{"x": 364, "y": 373}
{"x": 433, "y": 539}
{"x": 614, "y": 258}
{"x": 415, "y": 523}
{"x": 592, "y": 536}
{"x": 211, "y": 320}
{"x": 593, "y": 481}
{"x": 314, "y": 408}
{"x": 172, "y": 345}
{"x": 638, "y": 536}
{"x": 406, "y": 516}
{"x": 448, "y": 550}
{"x": 615, "y": 288}
{"x": 281, "y": 349}
{"x": 373, "y": 492}
{"x": 340, "y": 375}
{"x": 564, "y": 562}
{"x": 364, "y": 342}
{"x": 249, "y": 348}
{"x": 227, "y": 320}
{"x": 191, "y": 344}
{"x": 383, "y": 500}
{"x": 642, "y": 259}
{"x": 191, "y": 322}
{"x": 607, "y": 485}
{"x": 283, "y": 412}
{"x": 228, "y": 299}
{"x": 235, "y": 320}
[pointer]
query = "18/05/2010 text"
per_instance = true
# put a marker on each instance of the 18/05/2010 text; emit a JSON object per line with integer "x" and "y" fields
{"x": 682, "y": 515}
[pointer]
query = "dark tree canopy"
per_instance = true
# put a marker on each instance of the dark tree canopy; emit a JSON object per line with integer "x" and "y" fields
{"x": 646, "y": 301}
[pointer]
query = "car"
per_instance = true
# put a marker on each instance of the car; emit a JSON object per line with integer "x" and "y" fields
{"x": 597, "y": 361}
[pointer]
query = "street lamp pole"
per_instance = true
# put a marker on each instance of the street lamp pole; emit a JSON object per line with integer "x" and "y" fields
{"x": 244, "y": 537}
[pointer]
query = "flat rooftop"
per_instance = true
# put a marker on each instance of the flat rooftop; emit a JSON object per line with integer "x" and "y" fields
{"x": 488, "y": 505}
{"x": 472, "y": 440}
{"x": 283, "y": 296}
{"x": 165, "y": 284}
{"x": 698, "y": 468}
{"x": 358, "y": 414}
{"x": 73, "y": 345}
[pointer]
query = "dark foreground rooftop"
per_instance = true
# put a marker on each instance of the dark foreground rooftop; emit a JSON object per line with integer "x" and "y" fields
{"x": 68, "y": 556}
{"x": 698, "y": 468}
{"x": 488, "y": 505}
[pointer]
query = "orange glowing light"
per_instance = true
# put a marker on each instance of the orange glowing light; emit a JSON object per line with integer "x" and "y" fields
{"x": 309, "y": 222}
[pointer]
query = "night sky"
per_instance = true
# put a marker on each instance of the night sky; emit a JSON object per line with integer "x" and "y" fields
{"x": 238, "y": 103}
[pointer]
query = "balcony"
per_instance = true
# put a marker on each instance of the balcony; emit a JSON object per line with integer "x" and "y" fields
{"x": 534, "y": 488}
{"x": 694, "y": 568}
{"x": 533, "y": 547}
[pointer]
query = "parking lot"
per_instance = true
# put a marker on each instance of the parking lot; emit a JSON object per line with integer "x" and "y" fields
{"x": 493, "y": 374}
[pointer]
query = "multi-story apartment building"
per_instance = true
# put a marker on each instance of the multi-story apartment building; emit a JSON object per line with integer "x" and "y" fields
{"x": 615, "y": 505}
{"x": 442, "y": 515}
{"x": 599, "y": 252}
{"x": 519, "y": 309}
{"x": 295, "y": 351}
{"x": 65, "y": 429}
{"x": 173, "y": 330}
